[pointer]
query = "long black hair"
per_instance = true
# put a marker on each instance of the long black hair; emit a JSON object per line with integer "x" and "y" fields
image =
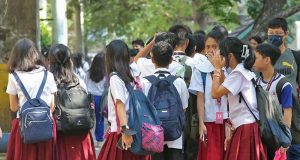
{"x": 61, "y": 64}
{"x": 97, "y": 69}
{"x": 118, "y": 59}
{"x": 238, "y": 49}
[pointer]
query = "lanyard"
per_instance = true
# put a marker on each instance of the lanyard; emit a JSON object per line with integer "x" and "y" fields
{"x": 271, "y": 81}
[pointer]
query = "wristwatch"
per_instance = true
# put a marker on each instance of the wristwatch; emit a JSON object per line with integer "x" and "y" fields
{"x": 124, "y": 128}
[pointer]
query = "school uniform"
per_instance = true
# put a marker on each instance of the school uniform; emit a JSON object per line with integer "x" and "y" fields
{"x": 16, "y": 149}
{"x": 214, "y": 148}
{"x": 286, "y": 99}
{"x": 75, "y": 147}
{"x": 245, "y": 142}
{"x": 135, "y": 72}
{"x": 96, "y": 90}
{"x": 147, "y": 68}
{"x": 109, "y": 150}
{"x": 172, "y": 149}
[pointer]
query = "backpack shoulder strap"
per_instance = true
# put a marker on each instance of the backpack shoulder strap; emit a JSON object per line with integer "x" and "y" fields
{"x": 296, "y": 55}
{"x": 152, "y": 78}
{"x": 242, "y": 97}
{"x": 42, "y": 85}
{"x": 203, "y": 76}
{"x": 21, "y": 85}
{"x": 171, "y": 78}
{"x": 279, "y": 86}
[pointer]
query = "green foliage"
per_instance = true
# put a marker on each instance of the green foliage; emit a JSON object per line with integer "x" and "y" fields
{"x": 254, "y": 7}
{"x": 46, "y": 37}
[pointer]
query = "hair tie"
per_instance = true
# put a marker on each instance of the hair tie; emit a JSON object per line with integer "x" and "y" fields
{"x": 245, "y": 52}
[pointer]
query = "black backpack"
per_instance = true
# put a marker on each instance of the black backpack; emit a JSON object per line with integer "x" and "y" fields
{"x": 295, "y": 127}
{"x": 73, "y": 113}
{"x": 165, "y": 98}
{"x": 273, "y": 131}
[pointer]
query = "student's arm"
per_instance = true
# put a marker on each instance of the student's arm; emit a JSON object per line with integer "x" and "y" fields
{"x": 13, "y": 100}
{"x": 200, "y": 110}
{"x": 287, "y": 116}
{"x": 145, "y": 50}
{"x": 287, "y": 103}
{"x": 126, "y": 139}
{"x": 52, "y": 105}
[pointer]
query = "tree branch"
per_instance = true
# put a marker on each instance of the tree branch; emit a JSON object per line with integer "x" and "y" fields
{"x": 288, "y": 12}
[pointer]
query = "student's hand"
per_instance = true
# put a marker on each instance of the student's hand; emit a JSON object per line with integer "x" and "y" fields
{"x": 226, "y": 143}
{"x": 218, "y": 61}
{"x": 283, "y": 150}
{"x": 202, "y": 131}
{"x": 0, "y": 133}
{"x": 126, "y": 141}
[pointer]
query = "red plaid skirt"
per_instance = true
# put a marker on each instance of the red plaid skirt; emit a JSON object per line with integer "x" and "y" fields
{"x": 246, "y": 144}
{"x": 109, "y": 150}
{"x": 214, "y": 149}
{"x": 17, "y": 150}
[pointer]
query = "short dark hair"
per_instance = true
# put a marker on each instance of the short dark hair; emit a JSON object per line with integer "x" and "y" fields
{"x": 200, "y": 32}
{"x": 200, "y": 42}
{"x": 221, "y": 31}
{"x": 162, "y": 53}
{"x": 139, "y": 42}
{"x": 216, "y": 35}
{"x": 190, "y": 49}
{"x": 257, "y": 39}
{"x": 181, "y": 31}
{"x": 278, "y": 23}
{"x": 167, "y": 37}
{"x": 269, "y": 50}
{"x": 25, "y": 57}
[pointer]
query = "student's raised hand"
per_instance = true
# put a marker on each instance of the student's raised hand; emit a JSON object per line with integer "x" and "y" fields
{"x": 126, "y": 141}
{"x": 218, "y": 61}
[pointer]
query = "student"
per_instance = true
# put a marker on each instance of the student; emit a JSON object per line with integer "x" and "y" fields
{"x": 245, "y": 142}
{"x": 254, "y": 41}
{"x": 266, "y": 56}
{"x": 138, "y": 44}
{"x": 286, "y": 64}
{"x": 117, "y": 61}
{"x": 162, "y": 57}
{"x": 28, "y": 63}
{"x": 78, "y": 65}
{"x": 96, "y": 83}
{"x": 211, "y": 129}
{"x": 69, "y": 147}
{"x": 133, "y": 66}
{"x": 145, "y": 65}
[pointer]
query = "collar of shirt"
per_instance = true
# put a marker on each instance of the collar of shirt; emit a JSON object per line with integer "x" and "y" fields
{"x": 162, "y": 69}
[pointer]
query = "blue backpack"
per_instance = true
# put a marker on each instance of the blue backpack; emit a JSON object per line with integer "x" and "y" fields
{"x": 36, "y": 124}
{"x": 142, "y": 112}
{"x": 165, "y": 98}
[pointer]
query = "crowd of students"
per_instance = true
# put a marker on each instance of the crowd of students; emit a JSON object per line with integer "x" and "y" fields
{"x": 213, "y": 71}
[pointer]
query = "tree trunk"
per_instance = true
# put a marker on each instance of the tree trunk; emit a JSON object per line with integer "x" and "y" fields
{"x": 18, "y": 19}
{"x": 77, "y": 28}
{"x": 270, "y": 10}
{"x": 60, "y": 30}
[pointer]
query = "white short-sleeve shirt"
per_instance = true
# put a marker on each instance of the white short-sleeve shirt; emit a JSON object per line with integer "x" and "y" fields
{"x": 32, "y": 81}
{"x": 94, "y": 88}
{"x": 184, "y": 96}
{"x": 118, "y": 90}
{"x": 147, "y": 68}
{"x": 239, "y": 80}
{"x": 211, "y": 105}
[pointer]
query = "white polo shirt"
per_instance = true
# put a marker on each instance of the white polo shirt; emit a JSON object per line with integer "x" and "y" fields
{"x": 184, "y": 96}
{"x": 147, "y": 68}
{"x": 239, "y": 80}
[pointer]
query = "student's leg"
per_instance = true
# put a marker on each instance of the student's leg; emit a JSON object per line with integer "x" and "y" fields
{"x": 160, "y": 156}
{"x": 294, "y": 152}
{"x": 97, "y": 101}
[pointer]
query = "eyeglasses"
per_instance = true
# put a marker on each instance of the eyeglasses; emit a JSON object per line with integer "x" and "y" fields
{"x": 275, "y": 33}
